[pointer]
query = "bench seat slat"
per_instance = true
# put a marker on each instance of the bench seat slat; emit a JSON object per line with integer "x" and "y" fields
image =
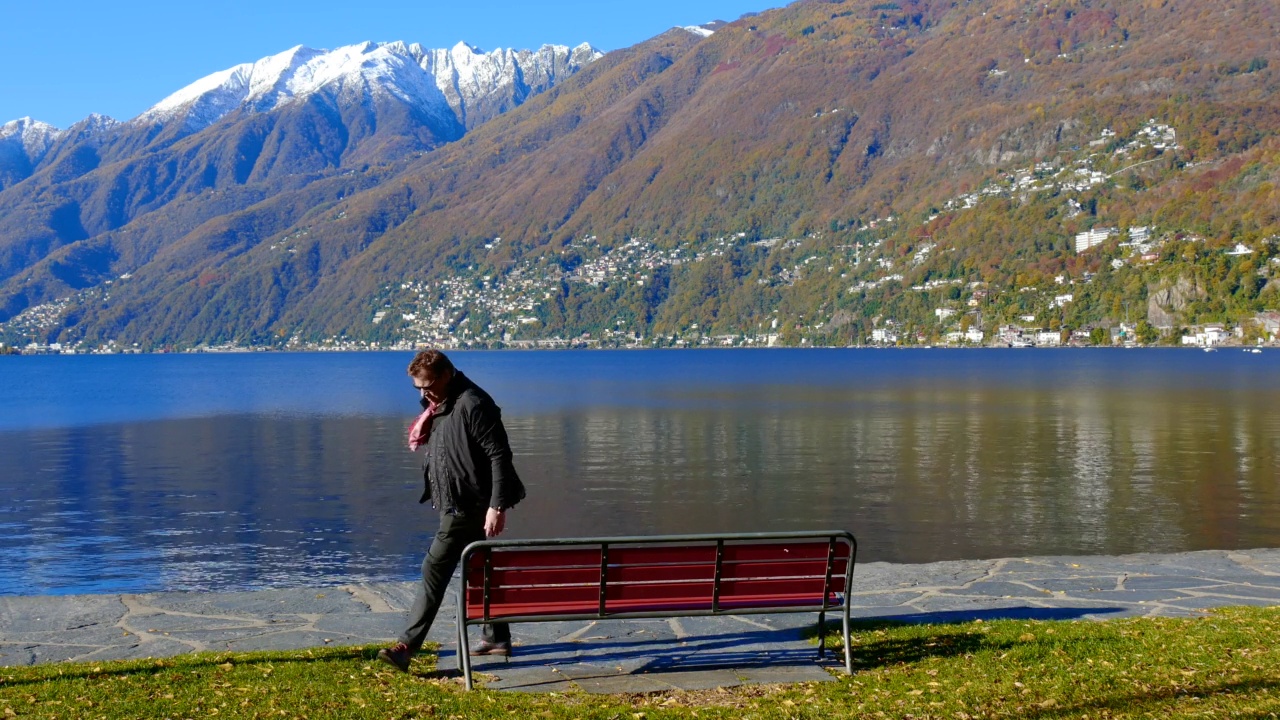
{"x": 539, "y": 558}
{"x": 508, "y": 577}
{"x": 661, "y": 555}
{"x": 699, "y": 591}
{"x": 524, "y": 577}
{"x": 804, "y": 550}
{"x": 785, "y": 568}
{"x": 564, "y": 607}
{"x": 735, "y": 571}
{"x": 621, "y": 596}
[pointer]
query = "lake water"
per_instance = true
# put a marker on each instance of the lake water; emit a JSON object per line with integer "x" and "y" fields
{"x": 225, "y": 472}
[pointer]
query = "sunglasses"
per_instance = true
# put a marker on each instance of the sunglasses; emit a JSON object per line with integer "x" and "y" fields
{"x": 428, "y": 386}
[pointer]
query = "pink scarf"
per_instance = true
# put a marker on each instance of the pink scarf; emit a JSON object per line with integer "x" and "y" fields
{"x": 420, "y": 430}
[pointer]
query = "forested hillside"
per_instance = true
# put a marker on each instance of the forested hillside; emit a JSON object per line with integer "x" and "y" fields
{"x": 832, "y": 172}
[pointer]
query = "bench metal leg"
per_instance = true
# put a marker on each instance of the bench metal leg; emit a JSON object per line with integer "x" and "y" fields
{"x": 464, "y": 649}
{"x": 822, "y": 635}
{"x": 848, "y": 645}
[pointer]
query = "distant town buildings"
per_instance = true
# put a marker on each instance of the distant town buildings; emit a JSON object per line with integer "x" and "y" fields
{"x": 1047, "y": 338}
{"x": 1208, "y": 336}
{"x": 884, "y": 336}
{"x": 1093, "y": 237}
{"x": 972, "y": 336}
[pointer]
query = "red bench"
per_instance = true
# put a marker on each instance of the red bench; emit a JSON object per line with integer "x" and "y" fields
{"x": 648, "y": 577}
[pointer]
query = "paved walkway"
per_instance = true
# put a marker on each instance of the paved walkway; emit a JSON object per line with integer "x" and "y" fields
{"x": 637, "y": 656}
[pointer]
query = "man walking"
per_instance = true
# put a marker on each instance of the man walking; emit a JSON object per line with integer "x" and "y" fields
{"x": 469, "y": 478}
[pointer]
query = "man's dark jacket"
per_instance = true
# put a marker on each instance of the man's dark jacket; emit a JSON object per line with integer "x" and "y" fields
{"x": 468, "y": 462}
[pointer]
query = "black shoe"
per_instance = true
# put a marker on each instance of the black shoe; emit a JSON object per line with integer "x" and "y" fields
{"x": 502, "y": 649}
{"x": 398, "y": 655}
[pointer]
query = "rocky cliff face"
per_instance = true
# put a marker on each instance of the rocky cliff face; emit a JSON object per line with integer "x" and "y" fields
{"x": 1166, "y": 301}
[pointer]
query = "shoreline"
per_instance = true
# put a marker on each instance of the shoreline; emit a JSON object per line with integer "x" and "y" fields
{"x": 635, "y": 348}
{"x": 859, "y": 569}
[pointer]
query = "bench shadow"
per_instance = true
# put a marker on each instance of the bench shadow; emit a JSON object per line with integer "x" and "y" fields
{"x": 615, "y": 650}
{"x": 890, "y": 652}
{"x": 781, "y": 648}
{"x": 950, "y": 617}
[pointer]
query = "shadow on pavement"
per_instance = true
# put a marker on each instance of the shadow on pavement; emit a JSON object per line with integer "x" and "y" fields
{"x": 1009, "y": 613}
{"x": 762, "y": 644}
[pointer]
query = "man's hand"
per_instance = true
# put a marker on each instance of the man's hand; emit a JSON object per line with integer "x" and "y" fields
{"x": 494, "y": 522}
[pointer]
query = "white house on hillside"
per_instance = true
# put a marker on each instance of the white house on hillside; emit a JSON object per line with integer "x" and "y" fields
{"x": 1090, "y": 238}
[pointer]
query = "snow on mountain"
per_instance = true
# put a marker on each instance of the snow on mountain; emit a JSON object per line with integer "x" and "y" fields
{"x": 435, "y": 81}
{"x": 31, "y": 137}
{"x": 699, "y": 30}
{"x": 211, "y": 97}
{"x": 97, "y": 123}
{"x": 466, "y": 75}
{"x": 94, "y": 125}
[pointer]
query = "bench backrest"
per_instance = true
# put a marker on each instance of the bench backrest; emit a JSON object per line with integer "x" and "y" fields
{"x": 602, "y": 577}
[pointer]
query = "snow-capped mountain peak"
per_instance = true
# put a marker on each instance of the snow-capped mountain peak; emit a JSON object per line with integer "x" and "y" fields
{"x": 436, "y": 81}
{"x": 699, "y": 30}
{"x": 32, "y": 136}
{"x": 211, "y": 97}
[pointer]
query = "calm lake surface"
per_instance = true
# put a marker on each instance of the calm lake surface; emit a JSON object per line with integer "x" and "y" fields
{"x": 225, "y": 472}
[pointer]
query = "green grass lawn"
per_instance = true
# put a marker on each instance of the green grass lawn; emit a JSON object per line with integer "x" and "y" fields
{"x": 1225, "y": 665}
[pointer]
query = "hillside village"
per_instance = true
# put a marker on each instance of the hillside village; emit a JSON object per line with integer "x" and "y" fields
{"x": 506, "y": 305}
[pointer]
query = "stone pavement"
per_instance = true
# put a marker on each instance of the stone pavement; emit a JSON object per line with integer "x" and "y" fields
{"x": 643, "y": 655}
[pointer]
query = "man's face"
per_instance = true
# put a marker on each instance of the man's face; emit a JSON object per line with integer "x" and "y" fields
{"x": 432, "y": 387}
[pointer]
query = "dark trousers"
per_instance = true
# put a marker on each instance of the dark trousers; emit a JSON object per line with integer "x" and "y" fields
{"x": 455, "y": 533}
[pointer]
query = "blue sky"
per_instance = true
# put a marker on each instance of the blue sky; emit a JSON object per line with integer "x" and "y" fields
{"x": 61, "y": 61}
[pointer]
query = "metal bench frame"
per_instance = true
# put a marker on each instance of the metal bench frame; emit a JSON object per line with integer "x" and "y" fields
{"x": 834, "y": 538}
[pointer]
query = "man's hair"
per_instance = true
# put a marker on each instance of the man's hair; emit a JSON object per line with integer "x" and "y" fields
{"x": 430, "y": 362}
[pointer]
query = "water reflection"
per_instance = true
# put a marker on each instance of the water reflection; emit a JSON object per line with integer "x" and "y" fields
{"x": 930, "y": 474}
{"x": 223, "y": 502}
{"x": 954, "y": 455}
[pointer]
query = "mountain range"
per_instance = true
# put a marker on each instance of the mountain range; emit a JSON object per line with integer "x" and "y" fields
{"x": 808, "y": 174}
